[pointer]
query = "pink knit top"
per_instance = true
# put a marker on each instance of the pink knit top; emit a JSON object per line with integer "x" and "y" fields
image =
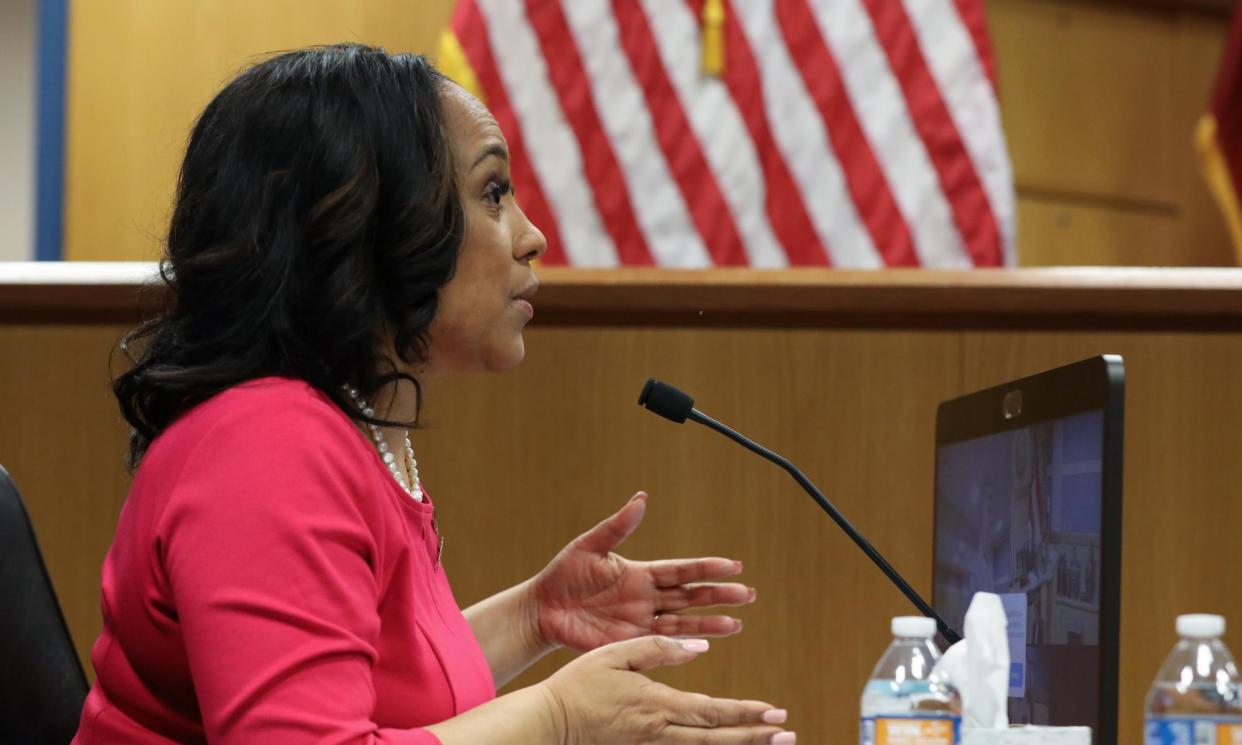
{"x": 271, "y": 583}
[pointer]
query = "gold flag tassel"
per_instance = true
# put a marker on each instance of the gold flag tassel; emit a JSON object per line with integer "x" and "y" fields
{"x": 713, "y": 37}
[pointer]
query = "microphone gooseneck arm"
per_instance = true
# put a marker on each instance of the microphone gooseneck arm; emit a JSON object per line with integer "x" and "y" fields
{"x": 676, "y": 406}
{"x": 951, "y": 636}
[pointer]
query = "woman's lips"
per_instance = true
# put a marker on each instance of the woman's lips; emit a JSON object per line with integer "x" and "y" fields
{"x": 525, "y": 307}
{"x": 523, "y": 299}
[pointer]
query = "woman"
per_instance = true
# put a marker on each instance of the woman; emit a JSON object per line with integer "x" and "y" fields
{"x": 345, "y": 232}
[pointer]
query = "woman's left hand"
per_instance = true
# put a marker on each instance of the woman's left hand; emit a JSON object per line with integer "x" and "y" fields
{"x": 589, "y": 596}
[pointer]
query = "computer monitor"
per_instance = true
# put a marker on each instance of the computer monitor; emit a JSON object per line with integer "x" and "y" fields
{"x": 1028, "y": 506}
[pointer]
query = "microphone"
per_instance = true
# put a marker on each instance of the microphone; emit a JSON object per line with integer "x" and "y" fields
{"x": 677, "y": 406}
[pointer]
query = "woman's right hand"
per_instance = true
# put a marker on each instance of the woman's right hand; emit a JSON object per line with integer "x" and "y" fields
{"x": 603, "y": 698}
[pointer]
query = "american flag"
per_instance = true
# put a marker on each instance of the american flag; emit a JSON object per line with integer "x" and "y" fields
{"x": 763, "y": 133}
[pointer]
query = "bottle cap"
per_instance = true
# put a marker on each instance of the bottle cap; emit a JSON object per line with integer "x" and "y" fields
{"x": 1200, "y": 626}
{"x": 916, "y": 627}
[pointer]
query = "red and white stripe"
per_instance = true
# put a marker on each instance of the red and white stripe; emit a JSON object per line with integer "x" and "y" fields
{"x": 852, "y": 133}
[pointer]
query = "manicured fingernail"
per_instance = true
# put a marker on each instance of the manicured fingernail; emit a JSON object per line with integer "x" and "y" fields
{"x": 784, "y": 738}
{"x": 737, "y": 625}
{"x": 695, "y": 645}
{"x": 775, "y": 716}
{"x": 754, "y": 594}
{"x": 737, "y": 566}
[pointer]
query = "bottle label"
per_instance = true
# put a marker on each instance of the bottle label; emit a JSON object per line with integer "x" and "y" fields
{"x": 915, "y": 730}
{"x": 1193, "y": 731}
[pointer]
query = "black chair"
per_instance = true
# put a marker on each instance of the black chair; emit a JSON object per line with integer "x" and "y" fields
{"x": 42, "y": 685}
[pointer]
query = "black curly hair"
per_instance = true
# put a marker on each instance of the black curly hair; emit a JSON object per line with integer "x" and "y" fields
{"x": 316, "y": 210}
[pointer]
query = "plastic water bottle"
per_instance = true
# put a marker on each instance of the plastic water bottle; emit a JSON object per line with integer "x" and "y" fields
{"x": 903, "y": 703}
{"x": 1195, "y": 698}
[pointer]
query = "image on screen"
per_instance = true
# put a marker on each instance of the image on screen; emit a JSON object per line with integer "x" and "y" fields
{"x": 1018, "y": 513}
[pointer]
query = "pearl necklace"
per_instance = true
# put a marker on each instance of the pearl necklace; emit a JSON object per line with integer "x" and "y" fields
{"x": 415, "y": 490}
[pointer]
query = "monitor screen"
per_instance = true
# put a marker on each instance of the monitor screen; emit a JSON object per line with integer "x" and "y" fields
{"x": 1019, "y": 514}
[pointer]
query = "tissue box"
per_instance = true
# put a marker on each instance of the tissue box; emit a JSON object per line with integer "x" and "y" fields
{"x": 1028, "y": 736}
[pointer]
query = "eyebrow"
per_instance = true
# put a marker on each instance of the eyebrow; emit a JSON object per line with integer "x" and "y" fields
{"x": 495, "y": 149}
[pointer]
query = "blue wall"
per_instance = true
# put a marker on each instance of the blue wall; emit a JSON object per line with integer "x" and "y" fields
{"x": 50, "y": 129}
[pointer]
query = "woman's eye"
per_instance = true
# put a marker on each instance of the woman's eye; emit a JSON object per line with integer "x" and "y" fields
{"x": 496, "y": 190}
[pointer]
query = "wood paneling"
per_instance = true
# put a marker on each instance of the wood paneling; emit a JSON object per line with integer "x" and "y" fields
{"x": 1195, "y": 299}
{"x": 140, "y": 71}
{"x": 1211, "y": 8}
{"x": 1085, "y": 91}
{"x": 1071, "y": 231}
{"x": 1099, "y": 102}
{"x": 520, "y": 463}
{"x": 63, "y": 442}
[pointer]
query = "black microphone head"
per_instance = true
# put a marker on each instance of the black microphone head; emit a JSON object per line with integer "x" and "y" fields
{"x": 666, "y": 401}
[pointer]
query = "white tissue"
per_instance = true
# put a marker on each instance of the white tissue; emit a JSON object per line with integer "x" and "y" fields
{"x": 1029, "y": 735}
{"x": 979, "y": 665}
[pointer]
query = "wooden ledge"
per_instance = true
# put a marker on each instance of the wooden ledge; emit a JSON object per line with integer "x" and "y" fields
{"x": 1068, "y": 298}
{"x": 1016, "y": 298}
